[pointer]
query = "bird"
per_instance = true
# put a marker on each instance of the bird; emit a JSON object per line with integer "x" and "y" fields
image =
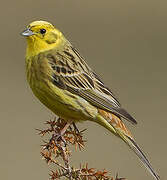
{"x": 62, "y": 80}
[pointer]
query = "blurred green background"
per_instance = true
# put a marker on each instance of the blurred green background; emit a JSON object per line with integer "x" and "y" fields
{"x": 125, "y": 42}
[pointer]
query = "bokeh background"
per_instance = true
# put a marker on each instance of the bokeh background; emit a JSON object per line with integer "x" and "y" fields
{"x": 125, "y": 41}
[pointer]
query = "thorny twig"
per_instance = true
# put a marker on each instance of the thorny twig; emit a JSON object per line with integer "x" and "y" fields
{"x": 58, "y": 147}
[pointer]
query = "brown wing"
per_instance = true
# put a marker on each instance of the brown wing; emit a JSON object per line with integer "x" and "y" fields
{"x": 73, "y": 74}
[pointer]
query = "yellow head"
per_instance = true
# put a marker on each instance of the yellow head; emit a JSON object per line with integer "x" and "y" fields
{"x": 41, "y": 36}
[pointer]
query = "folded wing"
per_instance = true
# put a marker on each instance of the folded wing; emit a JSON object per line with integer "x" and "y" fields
{"x": 73, "y": 74}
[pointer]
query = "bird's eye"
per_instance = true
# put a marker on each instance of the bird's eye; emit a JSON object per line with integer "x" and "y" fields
{"x": 42, "y": 31}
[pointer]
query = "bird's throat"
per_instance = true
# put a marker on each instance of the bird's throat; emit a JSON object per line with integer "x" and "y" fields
{"x": 36, "y": 46}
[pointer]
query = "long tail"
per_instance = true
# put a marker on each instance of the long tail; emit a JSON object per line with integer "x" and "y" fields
{"x": 133, "y": 145}
{"x": 116, "y": 126}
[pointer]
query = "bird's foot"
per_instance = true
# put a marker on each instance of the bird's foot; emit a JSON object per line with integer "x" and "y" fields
{"x": 59, "y": 136}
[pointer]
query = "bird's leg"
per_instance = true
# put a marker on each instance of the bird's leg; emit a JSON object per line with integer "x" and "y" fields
{"x": 75, "y": 128}
{"x": 61, "y": 133}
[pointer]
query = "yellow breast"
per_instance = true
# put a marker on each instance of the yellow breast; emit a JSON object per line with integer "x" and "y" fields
{"x": 59, "y": 101}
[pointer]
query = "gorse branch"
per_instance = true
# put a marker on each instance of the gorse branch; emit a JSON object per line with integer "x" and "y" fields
{"x": 57, "y": 149}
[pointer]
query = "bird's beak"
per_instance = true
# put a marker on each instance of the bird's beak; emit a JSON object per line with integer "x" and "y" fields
{"x": 27, "y": 32}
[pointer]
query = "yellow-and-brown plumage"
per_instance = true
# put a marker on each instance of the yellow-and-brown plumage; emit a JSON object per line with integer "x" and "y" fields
{"x": 62, "y": 81}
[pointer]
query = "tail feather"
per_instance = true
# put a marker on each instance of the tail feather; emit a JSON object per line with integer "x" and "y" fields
{"x": 116, "y": 126}
{"x": 137, "y": 150}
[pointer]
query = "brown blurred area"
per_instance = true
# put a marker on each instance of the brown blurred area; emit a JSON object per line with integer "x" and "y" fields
{"x": 125, "y": 42}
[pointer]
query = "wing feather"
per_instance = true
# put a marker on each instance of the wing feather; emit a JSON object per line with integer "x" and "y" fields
{"x": 76, "y": 76}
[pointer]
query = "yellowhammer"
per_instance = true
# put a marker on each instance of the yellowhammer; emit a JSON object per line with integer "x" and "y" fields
{"x": 60, "y": 78}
